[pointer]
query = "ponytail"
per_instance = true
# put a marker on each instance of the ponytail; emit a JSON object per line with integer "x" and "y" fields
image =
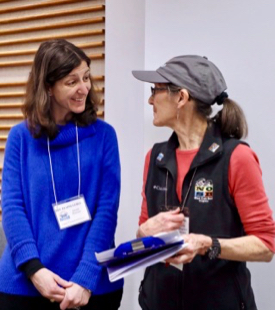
{"x": 231, "y": 120}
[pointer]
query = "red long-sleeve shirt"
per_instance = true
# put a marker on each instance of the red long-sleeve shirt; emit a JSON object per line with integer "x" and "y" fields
{"x": 245, "y": 185}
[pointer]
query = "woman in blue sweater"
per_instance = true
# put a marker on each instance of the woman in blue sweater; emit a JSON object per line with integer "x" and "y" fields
{"x": 60, "y": 193}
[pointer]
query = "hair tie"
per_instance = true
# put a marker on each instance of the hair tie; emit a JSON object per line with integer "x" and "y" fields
{"x": 220, "y": 99}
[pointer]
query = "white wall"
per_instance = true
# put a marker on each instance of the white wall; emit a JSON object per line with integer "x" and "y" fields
{"x": 124, "y": 109}
{"x": 238, "y": 36}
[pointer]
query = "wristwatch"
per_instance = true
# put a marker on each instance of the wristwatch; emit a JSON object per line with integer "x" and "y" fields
{"x": 215, "y": 250}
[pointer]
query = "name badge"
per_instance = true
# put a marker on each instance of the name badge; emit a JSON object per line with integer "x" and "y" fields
{"x": 184, "y": 229}
{"x": 71, "y": 212}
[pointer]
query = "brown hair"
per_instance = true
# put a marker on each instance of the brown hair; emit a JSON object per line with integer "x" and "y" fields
{"x": 230, "y": 118}
{"x": 53, "y": 61}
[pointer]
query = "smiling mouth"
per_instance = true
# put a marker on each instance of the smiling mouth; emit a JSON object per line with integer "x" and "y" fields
{"x": 78, "y": 99}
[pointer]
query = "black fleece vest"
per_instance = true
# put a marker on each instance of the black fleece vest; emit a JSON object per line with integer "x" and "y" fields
{"x": 203, "y": 284}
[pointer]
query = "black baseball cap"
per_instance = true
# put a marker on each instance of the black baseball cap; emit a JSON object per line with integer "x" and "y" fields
{"x": 197, "y": 74}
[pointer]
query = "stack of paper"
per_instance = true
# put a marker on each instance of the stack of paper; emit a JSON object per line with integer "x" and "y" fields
{"x": 139, "y": 253}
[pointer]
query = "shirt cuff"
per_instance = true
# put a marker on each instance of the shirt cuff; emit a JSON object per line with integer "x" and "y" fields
{"x": 31, "y": 267}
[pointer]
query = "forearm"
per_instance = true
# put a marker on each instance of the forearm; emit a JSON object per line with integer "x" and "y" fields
{"x": 247, "y": 248}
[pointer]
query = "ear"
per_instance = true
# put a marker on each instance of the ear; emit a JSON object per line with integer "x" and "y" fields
{"x": 184, "y": 97}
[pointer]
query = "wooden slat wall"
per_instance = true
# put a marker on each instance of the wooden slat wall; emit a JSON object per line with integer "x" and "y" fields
{"x": 24, "y": 24}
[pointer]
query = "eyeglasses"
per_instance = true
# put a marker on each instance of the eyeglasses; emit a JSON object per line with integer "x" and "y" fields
{"x": 155, "y": 89}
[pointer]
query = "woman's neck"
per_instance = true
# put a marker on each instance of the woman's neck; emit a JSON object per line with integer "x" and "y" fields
{"x": 63, "y": 120}
{"x": 190, "y": 133}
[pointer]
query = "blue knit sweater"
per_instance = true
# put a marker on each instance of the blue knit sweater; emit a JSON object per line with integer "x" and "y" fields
{"x": 27, "y": 197}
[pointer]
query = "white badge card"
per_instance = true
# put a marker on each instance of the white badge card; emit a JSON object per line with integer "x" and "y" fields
{"x": 184, "y": 229}
{"x": 71, "y": 212}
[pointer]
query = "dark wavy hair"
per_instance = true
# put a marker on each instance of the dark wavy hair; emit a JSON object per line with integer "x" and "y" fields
{"x": 53, "y": 61}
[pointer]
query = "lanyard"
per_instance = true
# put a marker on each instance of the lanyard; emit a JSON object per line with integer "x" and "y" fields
{"x": 78, "y": 164}
{"x": 188, "y": 190}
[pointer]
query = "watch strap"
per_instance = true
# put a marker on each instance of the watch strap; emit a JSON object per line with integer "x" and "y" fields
{"x": 215, "y": 250}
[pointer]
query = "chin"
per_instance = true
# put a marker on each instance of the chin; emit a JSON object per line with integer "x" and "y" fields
{"x": 79, "y": 110}
{"x": 157, "y": 124}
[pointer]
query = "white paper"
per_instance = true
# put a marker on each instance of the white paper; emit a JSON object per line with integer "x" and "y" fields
{"x": 124, "y": 268}
{"x": 118, "y": 272}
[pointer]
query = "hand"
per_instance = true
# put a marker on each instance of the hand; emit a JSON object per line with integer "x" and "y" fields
{"x": 76, "y": 296}
{"x": 162, "y": 222}
{"x": 197, "y": 244}
{"x": 49, "y": 284}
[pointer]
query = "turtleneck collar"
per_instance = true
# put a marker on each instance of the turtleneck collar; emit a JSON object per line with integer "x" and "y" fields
{"x": 67, "y": 134}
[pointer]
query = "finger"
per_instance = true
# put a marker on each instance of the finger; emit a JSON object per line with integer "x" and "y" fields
{"x": 178, "y": 220}
{"x": 57, "y": 298}
{"x": 174, "y": 226}
{"x": 59, "y": 291}
{"x": 175, "y": 223}
{"x": 180, "y": 259}
{"x": 175, "y": 217}
{"x": 62, "y": 282}
{"x": 176, "y": 211}
{"x": 64, "y": 304}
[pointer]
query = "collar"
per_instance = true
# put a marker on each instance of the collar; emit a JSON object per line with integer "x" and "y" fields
{"x": 211, "y": 147}
{"x": 67, "y": 134}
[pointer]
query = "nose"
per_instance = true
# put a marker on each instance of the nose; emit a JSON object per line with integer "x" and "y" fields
{"x": 83, "y": 88}
{"x": 151, "y": 100}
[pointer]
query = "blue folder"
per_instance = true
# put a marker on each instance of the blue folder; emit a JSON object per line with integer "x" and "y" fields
{"x": 138, "y": 248}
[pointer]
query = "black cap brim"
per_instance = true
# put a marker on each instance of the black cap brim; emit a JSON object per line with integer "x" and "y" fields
{"x": 149, "y": 76}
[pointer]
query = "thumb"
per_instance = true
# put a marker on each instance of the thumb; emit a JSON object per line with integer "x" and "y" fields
{"x": 176, "y": 211}
{"x": 62, "y": 282}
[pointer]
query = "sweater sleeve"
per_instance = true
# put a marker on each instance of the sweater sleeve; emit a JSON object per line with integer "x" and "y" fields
{"x": 246, "y": 186}
{"x": 144, "y": 211}
{"x": 15, "y": 221}
{"x": 101, "y": 234}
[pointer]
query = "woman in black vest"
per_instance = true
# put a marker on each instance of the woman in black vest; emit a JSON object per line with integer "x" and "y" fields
{"x": 207, "y": 183}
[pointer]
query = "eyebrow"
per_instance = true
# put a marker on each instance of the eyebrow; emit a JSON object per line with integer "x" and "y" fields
{"x": 76, "y": 74}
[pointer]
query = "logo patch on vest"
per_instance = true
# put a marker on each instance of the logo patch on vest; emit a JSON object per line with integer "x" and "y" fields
{"x": 204, "y": 190}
